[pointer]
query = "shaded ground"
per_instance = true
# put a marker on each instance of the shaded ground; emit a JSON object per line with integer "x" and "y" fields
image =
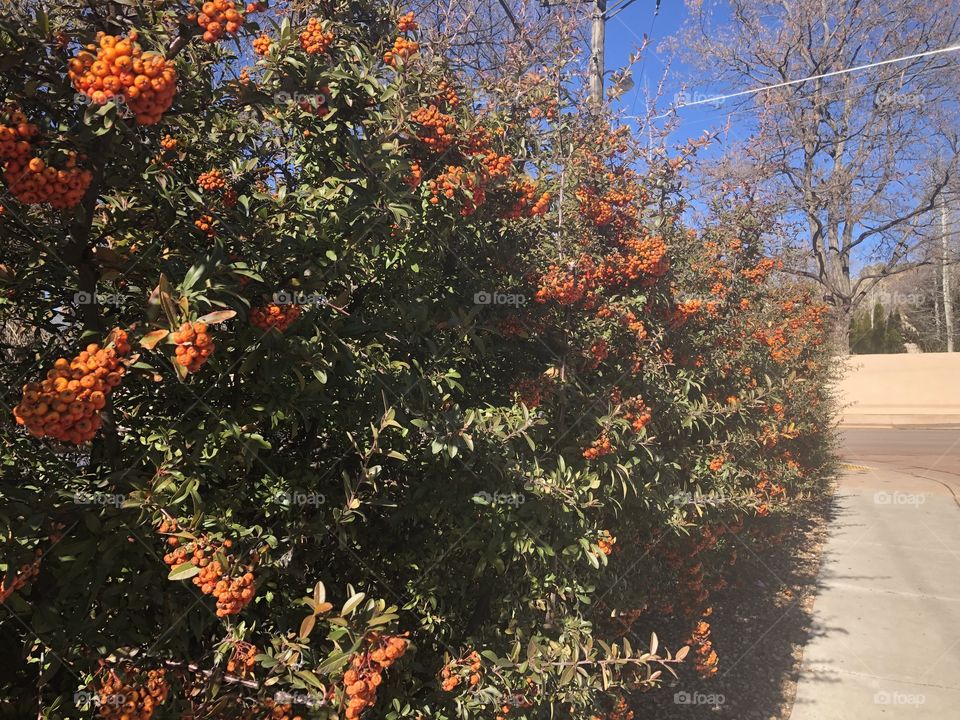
{"x": 760, "y": 626}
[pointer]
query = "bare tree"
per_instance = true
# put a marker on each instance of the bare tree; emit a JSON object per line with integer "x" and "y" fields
{"x": 857, "y": 149}
{"x": 945, "y": 271}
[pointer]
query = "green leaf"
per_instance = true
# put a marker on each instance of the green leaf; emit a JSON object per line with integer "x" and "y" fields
{"x": 183, "y": 572}
{"x": 306, "y": 627}
{"x": 217, "y": 316}
{"x": 351, "y": 604}
{"x": 310, "y": 678}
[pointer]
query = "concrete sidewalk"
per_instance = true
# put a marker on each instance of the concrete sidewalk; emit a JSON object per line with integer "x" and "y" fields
{"x": 886, "y": 619}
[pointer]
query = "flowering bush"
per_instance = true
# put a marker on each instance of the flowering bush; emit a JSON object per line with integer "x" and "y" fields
{"x": 416, "y": 418}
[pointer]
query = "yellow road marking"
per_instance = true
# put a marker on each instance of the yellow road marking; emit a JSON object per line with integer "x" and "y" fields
{"x": 851, "y": 466}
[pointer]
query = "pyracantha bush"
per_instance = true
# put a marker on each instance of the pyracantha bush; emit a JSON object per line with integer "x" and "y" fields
{"x": 505, "y": 416}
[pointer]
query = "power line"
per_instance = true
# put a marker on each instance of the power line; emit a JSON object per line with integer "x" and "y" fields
{"x": 717, "y": 98}
{"x": 699, "y": 122}
{"x": 624, "y": 4}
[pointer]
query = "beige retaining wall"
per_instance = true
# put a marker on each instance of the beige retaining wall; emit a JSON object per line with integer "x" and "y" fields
{"x": 902, "y": 389}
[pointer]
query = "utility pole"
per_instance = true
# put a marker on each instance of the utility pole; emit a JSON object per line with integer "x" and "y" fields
{"x": 945, "y": 274}
{"x": 597, "y": 52}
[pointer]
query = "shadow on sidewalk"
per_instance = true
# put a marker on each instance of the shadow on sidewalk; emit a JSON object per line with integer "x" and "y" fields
{"x": 761, "y": 624}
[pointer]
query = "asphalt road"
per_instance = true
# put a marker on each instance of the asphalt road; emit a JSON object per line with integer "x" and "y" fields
{"x": 885, "y": 641}
{"x": 927, "y": 448}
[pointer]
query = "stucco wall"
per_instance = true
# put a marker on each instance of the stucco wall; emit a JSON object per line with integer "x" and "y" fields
{"x": 902, "y": 389}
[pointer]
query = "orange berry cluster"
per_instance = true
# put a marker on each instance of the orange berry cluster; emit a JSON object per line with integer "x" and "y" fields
{"x": 683, "y": 311}
{"x": 770, "y": 490}
{"x": 717, "y": 463}
{"x": 759, "y": 272}
{"x": 125, "y": 700}
{"x": 496, "y": 166}
{"x": 277, "y": 711}
{"x": 468, "y": 667}
{"x": 598, "y": 448}
{"x": 639, "y": 259}
{"x": 261, "y": 45}
{"x": 274, "y": 317}
{"x": 67, "y": 404}
{"x": 16, "y": 138}
{"x": 242, "y": 660}
{"x": 608, "y": 207}
{"x": 637, "y": 413}
{"x": 446, "y": 95}
{"x": 212, "y": 180}
{"x": 147, "y": 81}
{"x": 705, "y": 658}
{"x": 532, "y": 391}
{"x": 626, "y": 317}
{"x": 366, "y": 671}
{"x": 436, "y": 128}
{"x": 194, "y": 345}
{"x": 598, "y": 351}
{"x": 33, "y": 182}
{"x": 802, "y": 328}
{"x": 561, "y": 286}
{"x": 207, "y": 225}
{"x": 550, "y": 113}
{"x": 168, "y": 142}
{"x": 316, "y": 38}
{"x": 685, "y": 560}
{"x": 29, "y": 178}
{"x": 25, "y": 573}
{"x": 218, "y": 18}
{"x": 232, "y": 593}
{"x": 415, "y": 177}
{"x": 455, "y": 178}
{"x": 530, "y": 203}
{"x": 406, "y": 22}
{"x": 402, "y": 50}
{"x": 606, "y": 542}
{"x": 621, "y": 711}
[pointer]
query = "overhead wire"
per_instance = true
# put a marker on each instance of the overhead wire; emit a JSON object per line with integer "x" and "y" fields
{"x": 833, "y": 73}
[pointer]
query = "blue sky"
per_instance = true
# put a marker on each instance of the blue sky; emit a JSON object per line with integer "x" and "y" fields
{"x": 625, "y": 32}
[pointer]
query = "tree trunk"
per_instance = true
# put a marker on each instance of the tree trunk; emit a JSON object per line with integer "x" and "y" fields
{"x": 839, "y": 337}
{"x": 945, "y": 271}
